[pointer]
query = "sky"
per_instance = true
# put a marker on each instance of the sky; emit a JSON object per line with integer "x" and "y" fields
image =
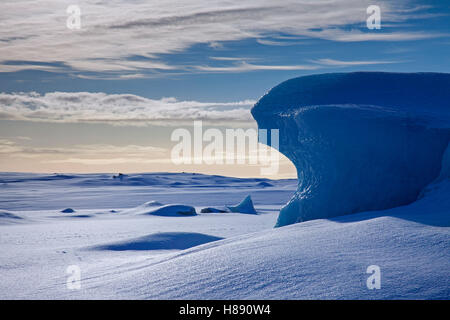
{"x": 107, "y": 96}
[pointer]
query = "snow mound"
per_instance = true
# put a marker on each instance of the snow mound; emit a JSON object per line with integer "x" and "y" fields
{"x": 8, "y": 217}
{"x": 152, "y": 203}
{"x": 67, "y": 210}
{"x": 264, "y": 184}
{"x": 246, "y": 206}
{"x": 157, "y": 209}
{"x": 320, "y": 259}
{"x": 173, "y": 210}
{"x": 161, "y": 241}
{"x": 360, "y": 141}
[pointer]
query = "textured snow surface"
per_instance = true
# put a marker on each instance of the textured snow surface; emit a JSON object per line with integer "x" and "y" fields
{"x": 360, "y": 141}
{"x": 372, "y": 155}
{"x": 320, "y": 259}
{"x": 216, "y": 255}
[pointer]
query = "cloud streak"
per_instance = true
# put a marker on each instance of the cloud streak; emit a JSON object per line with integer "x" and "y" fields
{"x": 113, "y": 32}
{"x": 341, "y": 63}
{"x": 116, "y": 108}
{"x": 245, "y": 67}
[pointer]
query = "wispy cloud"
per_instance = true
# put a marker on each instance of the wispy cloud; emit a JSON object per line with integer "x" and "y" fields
{"x": 85, "y": 154}
{"x": 115, "y": 108}
{"x": 13, "y": 148}
{"x": 245, "y": 67}
{"x": 113, "y": 32}
{"x": 268, "y": 42}
{"x": 233, "y": 58}
{"x": 356, "y": 35}
{"x": 341, "y": 63}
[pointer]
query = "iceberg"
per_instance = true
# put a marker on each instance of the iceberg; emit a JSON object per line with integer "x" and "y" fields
{"x": 360, "y": 141}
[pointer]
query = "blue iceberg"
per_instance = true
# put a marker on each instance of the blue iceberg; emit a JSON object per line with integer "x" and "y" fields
{"x": 360, "y": 141}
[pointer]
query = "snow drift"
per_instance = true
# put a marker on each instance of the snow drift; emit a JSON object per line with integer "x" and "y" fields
{"x": 160, "y": 241}
{"x": 320, "y": 259}
{"x": 8, "y": 217}
{"x": 157, "y": 209}
{"x": 360, "y": 141}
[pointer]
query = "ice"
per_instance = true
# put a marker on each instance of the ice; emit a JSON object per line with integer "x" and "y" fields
{"x": 246, "y": 206}
{"x": 360, "y": 141}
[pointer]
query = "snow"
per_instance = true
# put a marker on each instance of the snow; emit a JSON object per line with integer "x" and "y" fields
{"x": 157, "y": 209}
{"x": 212, "y": 210}
{"x": 161, "y": 241}
{"x": 246, "y": 206}
{"x": 374, "y": 190}
{"x": 8, "y": 217}
{"x": 173, "y": 210}
{"x": 215, "y": 255}
{"x": 320, "y": 259}
{"x": 108, "y": 235}
{"x": 360, "y": 141}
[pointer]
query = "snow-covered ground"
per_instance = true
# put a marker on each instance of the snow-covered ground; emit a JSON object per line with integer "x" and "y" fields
{"x": 124, "y": 253}
{"x": 384, "y": 157}
{"x": 110, "y": 230}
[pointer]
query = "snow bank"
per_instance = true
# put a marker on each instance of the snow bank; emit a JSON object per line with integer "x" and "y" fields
{"x": 246, "y": 206}
{"x": 318, "y": 259}
{"x": 8, "y": 217}
{"x": 173, "y": 210}
{"x": 360, "y": 141}
{"x": 156, "y": 209}
{"x": 160, "y": 241}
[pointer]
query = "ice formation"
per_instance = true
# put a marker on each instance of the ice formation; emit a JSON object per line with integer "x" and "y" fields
{"x": 246, "y": 206}
{"x": 360, "y": 141}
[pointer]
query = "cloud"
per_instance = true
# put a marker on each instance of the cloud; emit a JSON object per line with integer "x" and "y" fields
{"x": 113, "y": 33}
{"x": 233, "y": 58}
{"x": 91, "y": 154}
{"x": 267, "y": 42}
{"x": 356, "y": 35}
{"x": 333, "y": 62}
{"x": 116, "y": 108}
{"x": 245, "y": 67}
{"x": 13, "y": 148}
